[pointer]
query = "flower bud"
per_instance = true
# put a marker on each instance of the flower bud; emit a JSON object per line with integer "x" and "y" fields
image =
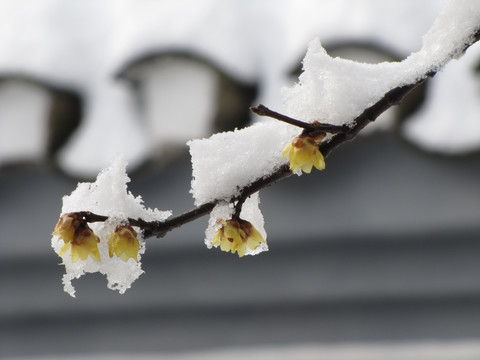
{"x": 236, "y": 235}
{"x": 77, "y": 237}
{"x": 304, "y": 154}
{"x": 123, "y": 242}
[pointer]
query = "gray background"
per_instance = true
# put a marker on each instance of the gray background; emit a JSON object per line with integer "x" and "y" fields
{"x": 381, "y": 246}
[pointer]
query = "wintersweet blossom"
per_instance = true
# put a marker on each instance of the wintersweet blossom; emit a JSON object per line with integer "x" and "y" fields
{"x": 304, "y": 154}
{"x": 123, "y": 242}
{"x": 235, "y": 235}
{"x": 77, "y": 237}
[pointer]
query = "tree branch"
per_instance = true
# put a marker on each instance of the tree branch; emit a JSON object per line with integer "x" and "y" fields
{"x": 341, "y": 135}
{"x": 391, "y": 98}
{"x": 160, "y": 229}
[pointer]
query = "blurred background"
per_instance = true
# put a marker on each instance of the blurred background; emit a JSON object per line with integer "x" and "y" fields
{"x": 377, "y": 257}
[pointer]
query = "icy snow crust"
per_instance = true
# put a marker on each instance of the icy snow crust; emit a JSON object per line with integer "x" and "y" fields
{"x": 330, "y": 90}
{"x": 107, "y": 196}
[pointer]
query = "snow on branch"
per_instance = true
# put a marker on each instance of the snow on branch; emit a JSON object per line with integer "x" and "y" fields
{"x": 103, "y": 226}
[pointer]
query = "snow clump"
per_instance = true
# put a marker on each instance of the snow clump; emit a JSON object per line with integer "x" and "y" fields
{"x": 107, "y": 196}
{"x": 336, "y": 90}
{"x": 227, "y": 162}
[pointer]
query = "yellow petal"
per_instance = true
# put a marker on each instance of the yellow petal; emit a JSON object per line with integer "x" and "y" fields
{"x": 79, "y": 253}
{"x": 65, "y": 227}
{"x": 319, "y": 161}
{"x": 286, "y": 150}
{"x": 304, "y": 154}
{"x": 123, "y": 242}
{"x": 216, "y": 238}
{"x": 252, "y": 243}
{"x": 132, "y": 250}
{"x": 242, "y": 249}
{"x": 307, "y": 168}
{"x": 65, "y": 248}
{"x": 95, "y": 254}
{"x": 111, "y": 244}
{"x": 225, "y": 245}
{"x": 254, "y": 239}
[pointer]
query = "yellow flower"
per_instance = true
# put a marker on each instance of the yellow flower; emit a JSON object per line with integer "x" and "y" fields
{"x": 77, "y": 237}
{"x": 66, "y": 226}
{"x": 304, "y": 154}
{"x": 124, "y": 243}
{"x": 236, "y": 235}
{"x": 84, "y": 244}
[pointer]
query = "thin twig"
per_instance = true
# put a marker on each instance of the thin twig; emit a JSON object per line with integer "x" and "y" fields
{"x": 315, "y": 126}
{"x": 262, "y": 110}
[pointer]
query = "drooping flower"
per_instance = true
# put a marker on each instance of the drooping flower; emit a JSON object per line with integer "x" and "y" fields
{"x": 304, "y": 154}
{"x": 77, "y": 237}
{"x": 236, "y": 235}
{"x": 123, "y": 242}
{"x": 66, "y": 226}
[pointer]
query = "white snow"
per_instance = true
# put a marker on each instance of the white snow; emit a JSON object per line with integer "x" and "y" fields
{"x": 226, "y": 162}
{"x": 449, "y": 121}
{"x": 107, "y": 196}
{"x": 335, "y": 90}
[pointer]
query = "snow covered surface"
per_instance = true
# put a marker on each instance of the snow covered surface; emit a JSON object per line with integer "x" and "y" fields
{"x": 107, "y": 196}
{"x": 336, "y": 90}
{"x": 449, "y": 122}
{"x": 82, "y": 44}
{"x": 226, "y": 162}
{"x": 331, "y": 90}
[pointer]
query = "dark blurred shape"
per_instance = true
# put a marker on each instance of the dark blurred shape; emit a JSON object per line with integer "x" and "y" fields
{"x": 234, "y": 101}
{"x": 66, "y": 112}
{"x": 227, "y": 107}
{"x": 37, "y": 118}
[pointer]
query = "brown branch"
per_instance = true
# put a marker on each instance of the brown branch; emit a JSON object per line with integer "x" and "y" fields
{"x": 161, "y": 228}
{"x": 262, "y": 110}
{"x": 315, "y": 126}
{"x": 342, "y": 134}
{"x": 391, "y": 98}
